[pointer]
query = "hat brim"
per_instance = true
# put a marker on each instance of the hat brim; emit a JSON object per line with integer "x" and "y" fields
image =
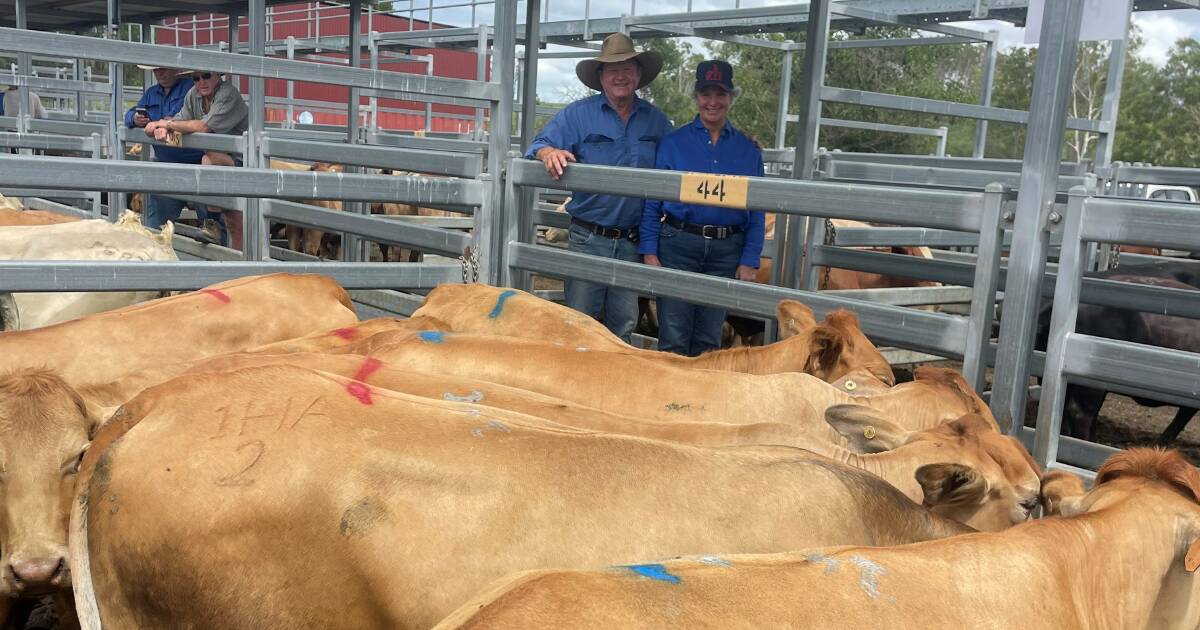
{"x": 588, "y": 70}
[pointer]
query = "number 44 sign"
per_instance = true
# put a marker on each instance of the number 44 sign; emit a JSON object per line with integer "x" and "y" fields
{"x": 728, "y": 191}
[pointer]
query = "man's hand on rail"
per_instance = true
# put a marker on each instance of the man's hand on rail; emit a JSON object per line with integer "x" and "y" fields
{"x": 555, "y": 160}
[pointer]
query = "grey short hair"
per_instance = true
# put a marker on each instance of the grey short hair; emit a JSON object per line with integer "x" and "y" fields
{"x": 737, "y": 93}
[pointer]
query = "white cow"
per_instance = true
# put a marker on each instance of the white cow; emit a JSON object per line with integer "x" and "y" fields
{"x": 96, "y": 240}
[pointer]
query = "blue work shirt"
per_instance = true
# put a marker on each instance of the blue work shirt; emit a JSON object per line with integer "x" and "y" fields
{"x": 690, "y": 148}
{"x": 592, "y": 130}
{"x": 161, "y": 104}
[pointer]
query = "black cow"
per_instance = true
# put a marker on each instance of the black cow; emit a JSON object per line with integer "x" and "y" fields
{"x": 1083, "y": 404}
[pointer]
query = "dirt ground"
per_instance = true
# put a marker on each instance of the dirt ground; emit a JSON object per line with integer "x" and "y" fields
{"x": 1124, "y": 423}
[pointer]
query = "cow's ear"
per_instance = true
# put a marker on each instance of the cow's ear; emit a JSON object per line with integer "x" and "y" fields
{"x": 825, "y": 347}
{"x": 951, "y": 484}
{"x": 1191, "y": 561}
{"x": 866, "y": 429}
{"x": 793, "y": 318}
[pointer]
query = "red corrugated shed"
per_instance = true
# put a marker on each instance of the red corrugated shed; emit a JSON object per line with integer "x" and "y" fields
{"x": 301, "y": 21}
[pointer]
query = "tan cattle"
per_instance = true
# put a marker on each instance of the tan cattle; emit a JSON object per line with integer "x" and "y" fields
{"x": 15, "y": 216}
{"x": 633, "y": 386}
{"x": 309, "y": 240}
{"x": 339, "y": 504}
{"x": 395, "y": 253}
{"x": 1057, "y": 487}
{"x": 827, "y": 351}
{"x": 44, "y": 429}
{"x": 225, "y": 317}
{"x": 1006, "y": 479}
{"x": 1125, "y": 559}
{"x": 94, "y": 239}
{"x": 348, "y": 335}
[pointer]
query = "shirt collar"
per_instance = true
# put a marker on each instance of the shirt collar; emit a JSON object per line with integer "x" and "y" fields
{"x": 638, "y": 103}
{"x": 699, "y": 125}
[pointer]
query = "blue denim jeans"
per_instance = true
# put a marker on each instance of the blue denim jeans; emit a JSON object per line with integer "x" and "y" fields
{"x": 685, "y": 328}
{"x": 158, "y": 209}
{"x": 618, "y": 306}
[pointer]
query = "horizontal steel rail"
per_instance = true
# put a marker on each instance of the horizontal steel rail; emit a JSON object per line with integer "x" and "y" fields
{"x": 41, "y": 192}
{"x": 426, "y": 143}
{"x": 440, "y": 163}
{"x": 65, "y": 127}
{"x": 870, "y": 126}
{"x": 200, "y": 141}
{"x": 1128, "y": 174}
{"x": 931, "y": 176}
{"x": 48, "y": 142}
{"x": 40, "y": 276}
{"x": 231, "y": 203}
{"x": 905, "y": 206}
{"x": 155, "y": 177}
{"x": 907, "y": 296}
{"x": 1077, "y": 169}
{"x": 45, "y": 83}
{"x": 1123, "y": 366}
{"x": 1138, "y": 222}
{"x": 40, "y": 42}
{"x": 426, "y": 239}
{"x": 936, "y": 333}
{"x": 945, "y": 108}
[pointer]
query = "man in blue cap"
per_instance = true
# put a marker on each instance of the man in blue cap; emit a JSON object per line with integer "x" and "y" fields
{"x": 613, "y": 128}
{"x": 715, "y": 241}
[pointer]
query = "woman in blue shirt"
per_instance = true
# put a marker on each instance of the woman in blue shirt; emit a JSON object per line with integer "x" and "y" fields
{"x": 715, "y": 241}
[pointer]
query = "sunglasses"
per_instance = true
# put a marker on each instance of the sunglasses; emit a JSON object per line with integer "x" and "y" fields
{"x": 204, "y": 75}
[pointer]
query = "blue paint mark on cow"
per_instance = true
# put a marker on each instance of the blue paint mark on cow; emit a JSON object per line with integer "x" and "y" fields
{"x": 499, "y": 308}
{"x": 432, "y": 336}
{"x": 654, "y": 572}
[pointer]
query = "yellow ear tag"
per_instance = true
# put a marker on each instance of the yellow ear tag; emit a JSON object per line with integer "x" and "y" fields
{"x": 869, "y": 432}
{"x": 851, "y": 386}
{"x": 1192, "y": 560}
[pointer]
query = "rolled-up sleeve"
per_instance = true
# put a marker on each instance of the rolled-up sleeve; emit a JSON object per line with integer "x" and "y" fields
{"x": 556, "y": 134}
{"x": 652, "y": 211}
{"x": 755, "y": 231}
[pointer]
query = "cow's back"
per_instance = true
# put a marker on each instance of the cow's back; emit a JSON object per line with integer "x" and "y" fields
{"x": 405, "y": 507}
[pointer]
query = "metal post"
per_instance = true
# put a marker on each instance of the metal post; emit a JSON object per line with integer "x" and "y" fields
{"x": 529, "y": 94}
{"x": 25, "y": 69}
{"x": 428, "y": 104}
{"x": 983, "y": 289}
{"x": 518, "y": 224}
{"x": 941, "y": 144}
{"x": 352, "y": 245}
{"x": 116, "y": 80}
{"x": 487, "y": 247}
{"x": 1112, "y": 97}
{"x": 254, "y": 229}
{"x": 78, "y": 76}
{"x": 232, "y": 38}
{"x": 785, "y": 89}
{"x": 816, "y": 47}
{"x": 989, "y": 76}
{"x": 1035, "y": 206}
{"x": 481, "y": 75}
{"x": 373, "y": 47}
{"x": 291, "y": 86}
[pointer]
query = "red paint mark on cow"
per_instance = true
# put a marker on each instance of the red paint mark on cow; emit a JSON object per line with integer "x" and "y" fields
{"x": 345, "y": 333}
{"x": 220, "y": 295}
{"x": 358, "y": 389}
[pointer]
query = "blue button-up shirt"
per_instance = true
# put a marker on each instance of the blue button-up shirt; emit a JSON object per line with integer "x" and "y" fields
{"x": 592, "y": 130}
{"x": 161, "y": 104}
{"x": 690, "y": 148}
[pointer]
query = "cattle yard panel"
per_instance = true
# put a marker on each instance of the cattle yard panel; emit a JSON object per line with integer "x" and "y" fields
{"x": 947, "y": 335}
{"x": 1126, "y": 367}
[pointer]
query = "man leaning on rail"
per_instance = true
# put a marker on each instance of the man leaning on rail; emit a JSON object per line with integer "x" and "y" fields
{"x": 613, "y": 128}
{"x": 211, "y": 106}
{"x": 164, "y": 99}
{"x": 715, "y": 241}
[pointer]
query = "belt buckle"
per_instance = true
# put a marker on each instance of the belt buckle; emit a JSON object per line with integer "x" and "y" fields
{"x": 716, "y": 232}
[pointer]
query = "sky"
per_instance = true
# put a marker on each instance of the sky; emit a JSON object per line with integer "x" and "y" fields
{"x": 556, "y": 80}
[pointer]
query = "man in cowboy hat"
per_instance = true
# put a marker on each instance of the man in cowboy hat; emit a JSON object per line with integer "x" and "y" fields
{"x": 613, "y": 128}
{"x": 164, "y": 99}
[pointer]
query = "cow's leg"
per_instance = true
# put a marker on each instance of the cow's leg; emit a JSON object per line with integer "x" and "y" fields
{"x": 1178, "y": 424}
{"x": 294, "y": 234}
{"x": 1082, "y": 411}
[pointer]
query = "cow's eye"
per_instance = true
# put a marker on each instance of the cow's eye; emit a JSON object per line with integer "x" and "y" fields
{"x": 1030, "y": 504}
{"x": 71, "y": 466}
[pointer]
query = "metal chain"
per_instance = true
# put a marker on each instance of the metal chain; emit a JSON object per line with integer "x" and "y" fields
{"x": 470, "y": 265}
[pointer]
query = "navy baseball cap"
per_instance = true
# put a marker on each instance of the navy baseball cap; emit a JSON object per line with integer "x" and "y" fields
{"x": 714, "y": 72}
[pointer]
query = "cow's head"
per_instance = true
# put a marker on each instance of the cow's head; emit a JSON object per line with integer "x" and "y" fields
{"x": 44, "y": 429}
{"x": 1057, "y": 487}
{"x": 836, "y": 346}
{"x": 967, "y": 470}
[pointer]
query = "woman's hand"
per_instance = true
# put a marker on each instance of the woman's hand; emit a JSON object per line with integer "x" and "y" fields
{"x": 747, "y": 273}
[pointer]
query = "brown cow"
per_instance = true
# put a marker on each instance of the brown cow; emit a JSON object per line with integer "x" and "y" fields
{"x": 11, "y": 217}
{"x": 396, "y": 509}
{"x": 828, "y": 350}
{"x": 44, "y": 429}
{"x": 225, "y": 317}
{"x": 309, "y": 240}
{"x": 1057, "y": 487}
{"x": 1125, "y": 559}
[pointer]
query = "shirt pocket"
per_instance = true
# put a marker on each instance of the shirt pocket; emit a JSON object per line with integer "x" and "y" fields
{"x": 645, "y": 151}
{"x": 599, "y": 149}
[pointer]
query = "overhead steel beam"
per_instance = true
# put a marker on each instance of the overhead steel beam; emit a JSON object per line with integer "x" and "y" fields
{"x": 416, "y": 160}
{"x": 131, "y": 52}
{"x": 944, "y": 108}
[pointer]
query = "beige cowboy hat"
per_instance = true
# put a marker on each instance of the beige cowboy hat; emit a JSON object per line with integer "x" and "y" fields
{"x": 617, "y": 48}
{"x": 144, "y": 66}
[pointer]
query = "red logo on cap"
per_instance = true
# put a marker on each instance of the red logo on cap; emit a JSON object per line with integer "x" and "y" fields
{"x": 714, "y": 74}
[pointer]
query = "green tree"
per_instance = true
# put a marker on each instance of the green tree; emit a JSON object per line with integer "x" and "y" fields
{"x": 672, "y": 90}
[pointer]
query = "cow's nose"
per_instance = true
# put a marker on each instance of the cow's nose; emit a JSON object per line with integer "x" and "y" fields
{"x": 37, "y": 572}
